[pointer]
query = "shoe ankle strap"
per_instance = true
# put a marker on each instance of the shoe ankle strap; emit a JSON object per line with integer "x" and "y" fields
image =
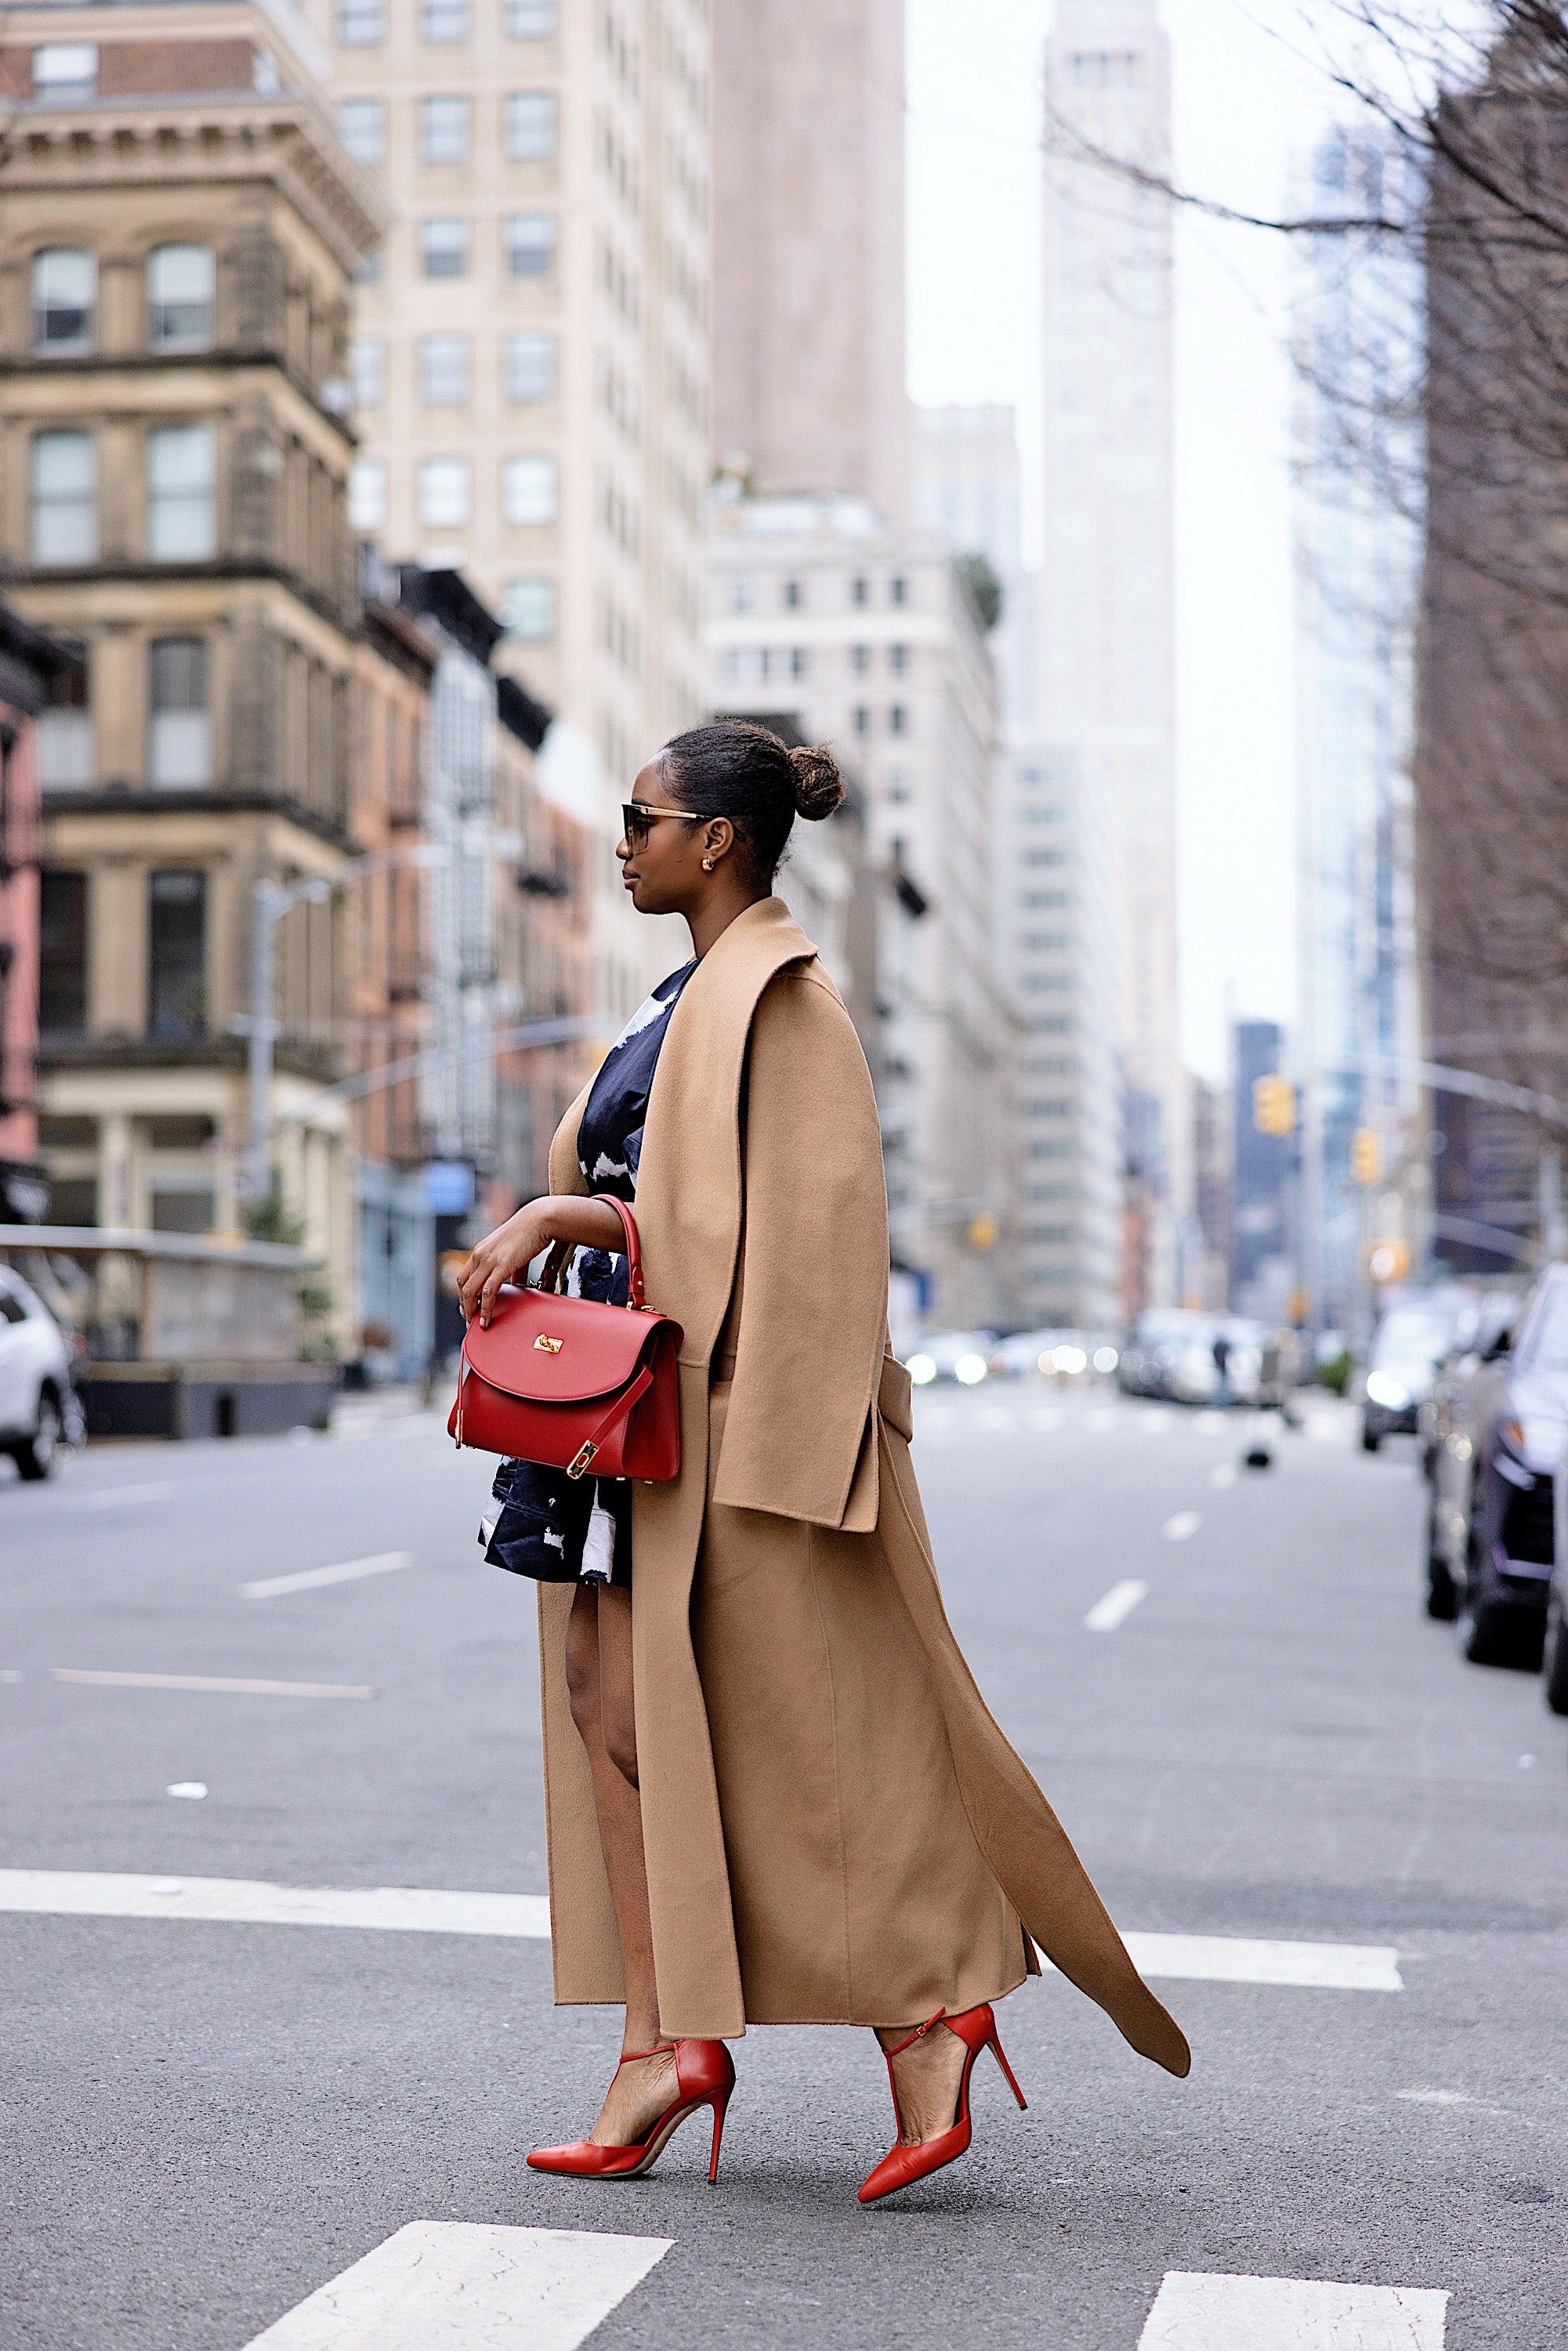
{"x": 919, "y": 2033}
{"x": 660, "y": 2049}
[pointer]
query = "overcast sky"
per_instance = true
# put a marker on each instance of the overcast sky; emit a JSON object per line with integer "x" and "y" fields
{"x": 1243, "y": 106}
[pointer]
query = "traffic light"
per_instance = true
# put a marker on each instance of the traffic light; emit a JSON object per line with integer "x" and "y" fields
{"x": 983, "y": 1231}
{"x": 1274, "y": 1105}
{"x": 1366, "y": 1155}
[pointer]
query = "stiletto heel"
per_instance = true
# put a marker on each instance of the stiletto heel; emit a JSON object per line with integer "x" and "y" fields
{"x": 994, "y": 2046}
{"x": 902, "y": 2165}
{"x": 705, "y": 2076}
{"x": 720, "y": 2108}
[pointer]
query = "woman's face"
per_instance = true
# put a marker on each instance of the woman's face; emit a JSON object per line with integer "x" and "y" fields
{"x": 661, "y": 863}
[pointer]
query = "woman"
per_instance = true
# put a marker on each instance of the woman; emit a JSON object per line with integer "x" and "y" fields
{"x": 774, "y": 1793}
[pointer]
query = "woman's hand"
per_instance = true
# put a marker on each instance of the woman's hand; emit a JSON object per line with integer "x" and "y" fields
{"x": 512, "y": 1246}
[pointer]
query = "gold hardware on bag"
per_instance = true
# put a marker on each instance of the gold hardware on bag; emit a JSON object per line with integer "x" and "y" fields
{"x": 549, "y": 1346}
{"x": 575, "y": 1469}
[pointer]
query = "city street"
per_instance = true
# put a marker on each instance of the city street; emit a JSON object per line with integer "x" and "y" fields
{"x": 1341, "y": 1850}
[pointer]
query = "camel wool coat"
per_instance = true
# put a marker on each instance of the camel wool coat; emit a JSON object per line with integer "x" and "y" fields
{"x": 836, "y": 1829}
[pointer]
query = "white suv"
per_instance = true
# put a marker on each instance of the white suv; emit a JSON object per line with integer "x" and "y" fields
{"x": 39, "y": 1410}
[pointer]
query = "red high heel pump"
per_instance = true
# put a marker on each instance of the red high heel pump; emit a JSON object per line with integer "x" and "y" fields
{"x": 705, "y": 2076}
{"x": 976, "y": 2028}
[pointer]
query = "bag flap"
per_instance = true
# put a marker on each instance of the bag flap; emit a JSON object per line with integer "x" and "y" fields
{"x": 554, "y": 1350}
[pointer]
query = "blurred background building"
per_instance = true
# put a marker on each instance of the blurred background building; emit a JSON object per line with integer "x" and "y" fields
{"x": 1358, "y": 554}
{"x": 1106, "y": 611}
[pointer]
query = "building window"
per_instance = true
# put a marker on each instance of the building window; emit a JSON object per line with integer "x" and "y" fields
{"x": 528, "y": 610}
{"x": 177, "y": 955}
{"x": 531, "y": 126}
{"x": 862, "y": 719}
{"x": 898, "y": 719}
{"x": 859, "y": 591}
{"x": 64, "y": 300}
{"x": 529, "y": 365}
{"x": 792, "y": 594}
{"x": 530, "y": 245}
{"x": 368, "y": 363}
{"x": 368, "y": 495}
{"x": 369, "y": 272}
{"x": 65, "y": 72}
{"x": 442, "y": 22}
{"x": 446, "y": 495}
{"x": 444, "y": 370}
{"x": 62, "y": 951}
{"x": 362, "y": 24}
{"x": 65, "y": 731}
{"x": 64, "y": 497}
{"x": 181, "y": 512}
{"x": 180, "y": 732}
{"x": 860, "y": 659}
{"x": 443, "y": 247}
{"x": 797, "y": 660}
{"x": 180, "y": 281}
{"x": 530, "y": 20}
{"x": 528, "y": 489}
{"x": 362, "y": 128}
{"x": 181, "y": 1203}
{"x": 898, "y": 657}
{"x": 898, "y": 591}
{"x": 444, "y": 129}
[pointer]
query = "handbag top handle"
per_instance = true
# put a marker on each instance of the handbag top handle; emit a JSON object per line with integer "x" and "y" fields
{"x": 562, "y": 1251}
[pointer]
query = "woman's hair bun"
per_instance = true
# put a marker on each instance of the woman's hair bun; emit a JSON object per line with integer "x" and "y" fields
{"x": 819, "y": 786}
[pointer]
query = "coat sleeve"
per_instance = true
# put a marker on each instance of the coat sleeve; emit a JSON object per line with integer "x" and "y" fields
{"x": 565, "y": 1174}
{"x": 813, "y": 1311}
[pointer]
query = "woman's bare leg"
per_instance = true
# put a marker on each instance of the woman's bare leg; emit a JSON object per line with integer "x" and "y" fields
{"x": 928, "y": 2074}
{"x": 599, "y": 1677}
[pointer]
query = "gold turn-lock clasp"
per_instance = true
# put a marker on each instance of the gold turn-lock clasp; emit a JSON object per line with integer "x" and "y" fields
{"x": 576, "y": 1468}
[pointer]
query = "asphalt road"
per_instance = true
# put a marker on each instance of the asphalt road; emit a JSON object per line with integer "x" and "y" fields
{"x": 203, "y": 2123}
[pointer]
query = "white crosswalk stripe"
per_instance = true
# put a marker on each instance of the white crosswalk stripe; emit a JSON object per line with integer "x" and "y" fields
{"x": 453, "y": 2285}
{"x": 309, "y": 1579}
{"x": 1214, "y": 1959}
{"x": 1116, "y": 1606}
{"x": 1197, "y": 2312}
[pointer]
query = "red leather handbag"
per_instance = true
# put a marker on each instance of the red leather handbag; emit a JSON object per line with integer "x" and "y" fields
{"x": 573, "y": 1382}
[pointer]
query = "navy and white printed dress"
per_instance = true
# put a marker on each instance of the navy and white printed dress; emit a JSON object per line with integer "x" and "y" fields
{"x": 548, "y": 1526}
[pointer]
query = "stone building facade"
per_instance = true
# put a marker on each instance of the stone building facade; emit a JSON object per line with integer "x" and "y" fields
{"x": 181, "y": 232}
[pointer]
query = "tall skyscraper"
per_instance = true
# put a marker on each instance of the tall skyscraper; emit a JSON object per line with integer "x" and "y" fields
{"x": 1106, "y": 600}
{"x": 531, "y": 354}
{"x": 1357, "y": 567}
{"x": 1056, "y": 920}
{"x": 809, "y": 263}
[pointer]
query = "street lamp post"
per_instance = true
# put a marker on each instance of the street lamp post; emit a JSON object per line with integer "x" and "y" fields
{"x": 271, "y": 901}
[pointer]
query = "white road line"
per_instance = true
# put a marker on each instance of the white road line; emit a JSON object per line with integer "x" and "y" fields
{"x": 97, "y": 1894}
{"x": 429, "y": 1910}
{"x": 222, "y": 1682}
{"x": 1193, "y": 2311}
{"x": 1046, "y": 1416}
{"x": 110, "y": 1496}
{"x": 1178, "y": 1529}
{"x": 1223, "y": 1474}
{"x": 348, "y": 1571}
{"x": 1104, "y": 1416}
{"x": 1239, "y": 1958}
{"x": 455, "y": 2285}
{"x": 1116, "y": 1606}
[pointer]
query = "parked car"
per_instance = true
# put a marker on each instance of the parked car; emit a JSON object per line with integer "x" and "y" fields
{"x": 961, "y": 1355}
{"x": 1481, "y": 1332}
{"x": 1408, "y": 1346}
{"x": 1554, "y": 1646}
{"x": 39, "y": 1410}
{"x": 1492, "y": 1535}
{"x": 1026, "y": 1352}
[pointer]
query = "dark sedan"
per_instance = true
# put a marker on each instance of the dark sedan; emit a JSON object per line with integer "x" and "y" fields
{"x": 1491, "y": 1543}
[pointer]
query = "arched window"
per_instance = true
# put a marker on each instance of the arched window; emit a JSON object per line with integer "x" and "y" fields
{"x": 179, "y": 283}
{"x": 64, "y": 300}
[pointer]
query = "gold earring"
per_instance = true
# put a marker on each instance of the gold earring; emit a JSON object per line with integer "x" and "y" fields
{"x": 707, "y": 864}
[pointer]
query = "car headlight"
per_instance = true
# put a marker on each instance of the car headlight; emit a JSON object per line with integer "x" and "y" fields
{"x": 1383, "y": 1388}
{"x": 1106, "y": 1359}
{"x": 970, "y": 1370}
{"x": 922, "y": 1370}
{"x": 1071, "y": 1359}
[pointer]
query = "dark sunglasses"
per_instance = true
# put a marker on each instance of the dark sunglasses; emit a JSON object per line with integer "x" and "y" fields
{"x": 638, "y": 819}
